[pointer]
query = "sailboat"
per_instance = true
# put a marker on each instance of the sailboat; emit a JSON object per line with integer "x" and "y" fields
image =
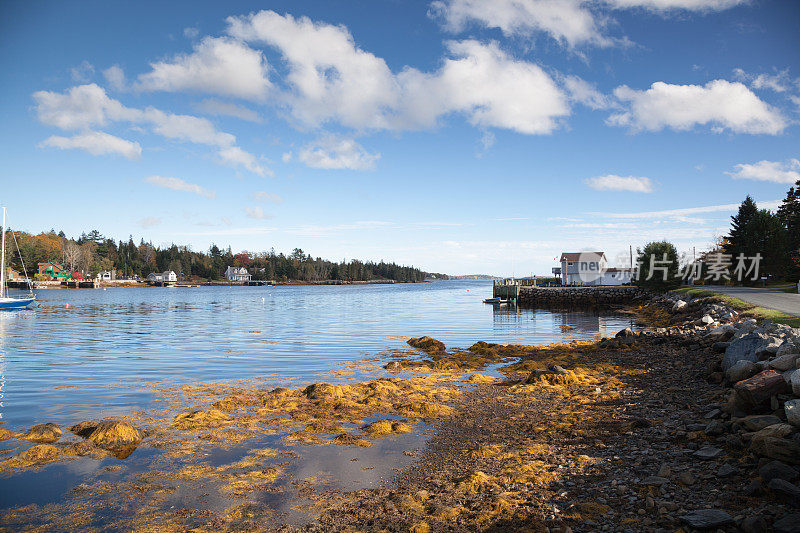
{"x": 6, "y": 301}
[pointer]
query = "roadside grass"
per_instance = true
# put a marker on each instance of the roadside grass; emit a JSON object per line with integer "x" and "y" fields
{"x": 760, "y": 313}
{"x": 791, "y": 289}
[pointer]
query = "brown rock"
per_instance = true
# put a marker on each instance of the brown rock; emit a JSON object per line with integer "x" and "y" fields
{"x": 784, "y": 450}
{"x": 426, "y": 344}
{"x": 755, "y": 391}
{"x": 198, "y": 419}
{"x": 41, "y": 453}
{"x": 229, "y": 403}
{"x": 46, "y": 433}
{"x": 83, "y": 429}
{"x": 323, "y": 391}
{"x": 111, "y": 434}
{"x": 7, "y": 434}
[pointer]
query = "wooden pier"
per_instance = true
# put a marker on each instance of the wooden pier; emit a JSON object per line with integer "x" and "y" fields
{"x": 507, "y": 289}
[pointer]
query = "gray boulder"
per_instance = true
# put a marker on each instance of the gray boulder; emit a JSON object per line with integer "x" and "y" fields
{"x": 787, "y": 348}
{"x": 743, "y": 349}
{"x": 792, "y": 410}
{"x": 680, "y": 307}
{"x": 785, "y": 491}
{"x": 794, "y": 381}
{"x": 707, "y": 518}
{"x": 777, "y": 470}
{"x": 740, "y": 370}
{"x": 784, "y": 362}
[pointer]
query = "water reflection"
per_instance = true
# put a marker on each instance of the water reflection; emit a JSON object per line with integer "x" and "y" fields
{"x": 91, "y": 358}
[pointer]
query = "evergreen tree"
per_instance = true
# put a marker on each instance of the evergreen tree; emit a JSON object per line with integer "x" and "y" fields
{"x": 789, "y": 214}
{"x": 738, "y": 240}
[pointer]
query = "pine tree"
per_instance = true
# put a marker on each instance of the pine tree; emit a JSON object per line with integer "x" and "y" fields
{"x": 789, "y": 214}
{"x": 738, "y": 240}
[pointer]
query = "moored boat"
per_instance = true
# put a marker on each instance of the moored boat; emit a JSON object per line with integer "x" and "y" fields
{"x": 6, "y": 301}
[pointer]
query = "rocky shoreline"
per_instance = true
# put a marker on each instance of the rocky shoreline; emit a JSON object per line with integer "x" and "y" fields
{"x": 688, "y": 424}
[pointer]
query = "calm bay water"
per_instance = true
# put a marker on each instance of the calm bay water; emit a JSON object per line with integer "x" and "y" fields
{"x": 85, "y": 353}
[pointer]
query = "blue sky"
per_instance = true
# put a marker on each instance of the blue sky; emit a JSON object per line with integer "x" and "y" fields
{"x": 460, "y": 136}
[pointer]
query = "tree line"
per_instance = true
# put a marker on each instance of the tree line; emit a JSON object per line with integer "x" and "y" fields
{"x": 772, "y": 237}
{"x": 92, "y": 253}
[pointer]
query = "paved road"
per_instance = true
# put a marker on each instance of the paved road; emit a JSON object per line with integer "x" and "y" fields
{"x": 781, "y": 301}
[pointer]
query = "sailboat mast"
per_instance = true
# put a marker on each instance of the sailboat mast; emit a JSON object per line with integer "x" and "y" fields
{"x": 3, "y": 259}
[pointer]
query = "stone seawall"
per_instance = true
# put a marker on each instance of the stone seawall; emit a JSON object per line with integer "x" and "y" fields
{"x": 577, "y": 297}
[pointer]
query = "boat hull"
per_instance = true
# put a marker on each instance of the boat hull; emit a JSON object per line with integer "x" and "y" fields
{"x": 16, "y": 303}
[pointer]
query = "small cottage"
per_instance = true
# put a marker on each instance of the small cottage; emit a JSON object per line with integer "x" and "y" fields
{"x": 237, "y": 274}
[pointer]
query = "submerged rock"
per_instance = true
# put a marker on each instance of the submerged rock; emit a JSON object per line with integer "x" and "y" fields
{"x": 384, "y": 427}
{"x": 44, "y": 433}
{"x": 426, "y": 344}
{"x": 229, "y": 403}
{"x": 7, "y": 434}
{"x": 200, "y": 419}
{"x": 348, "y": 439}
{"x": 111, "y": 434}
{"x": 41, "y": 453}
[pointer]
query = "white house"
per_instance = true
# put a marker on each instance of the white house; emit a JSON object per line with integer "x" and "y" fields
{"x": 617, "y": 276}
{"x": 237, "y": 274}
{"x": 107, "y": 275}
{"x": 164, "y": 277}
{"x": 590, "y": 268}
{"x": 582, "y": 268}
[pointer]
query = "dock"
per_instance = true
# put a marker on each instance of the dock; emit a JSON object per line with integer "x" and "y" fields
{"x": 509, "y": 288}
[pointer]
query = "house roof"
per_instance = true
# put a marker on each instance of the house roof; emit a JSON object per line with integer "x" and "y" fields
{"x": 576, "y": 256}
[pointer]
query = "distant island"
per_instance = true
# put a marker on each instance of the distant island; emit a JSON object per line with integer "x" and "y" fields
{"x": 92, "y": 255}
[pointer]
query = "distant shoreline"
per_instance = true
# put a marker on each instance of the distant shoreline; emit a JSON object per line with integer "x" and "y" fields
{"x": 51, "y": 285}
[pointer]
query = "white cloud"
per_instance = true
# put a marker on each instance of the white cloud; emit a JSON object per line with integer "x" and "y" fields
{"x": 96, "y": 143}
{"x": 489, "y": 87}
{"x": 149, "y": 222}
{"x": 682, "y": 212}
{"x": 235, "y": 156}
{"x": 567, "y": 21}
{"x": 115, "y": 77}
{"x": 87, "y": 106}
{"x": 332, "y": 152}
{"x": 211, "y": 106}
{"x": 263, "y": 196}
{"x": 330, "y": 79}
{"x": 217, "y": 65}
{"x": 720, "y": 104}
{"x": 329, "y": 76}
{"x": 256, "y": 212}
{"x": 688, "y": 5}
{"x": 774, "y": 171}
{"x": 82, "y": 106}
{"x": 612, "y": 182}
{"x": 779, "y": 82}
{"x": 191, "y": 32}
{"x": 286, "y": 157}
{"x": 177, "y": 184}
{"x": 585, "y": 93}
{"x": 83, "y": 72}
